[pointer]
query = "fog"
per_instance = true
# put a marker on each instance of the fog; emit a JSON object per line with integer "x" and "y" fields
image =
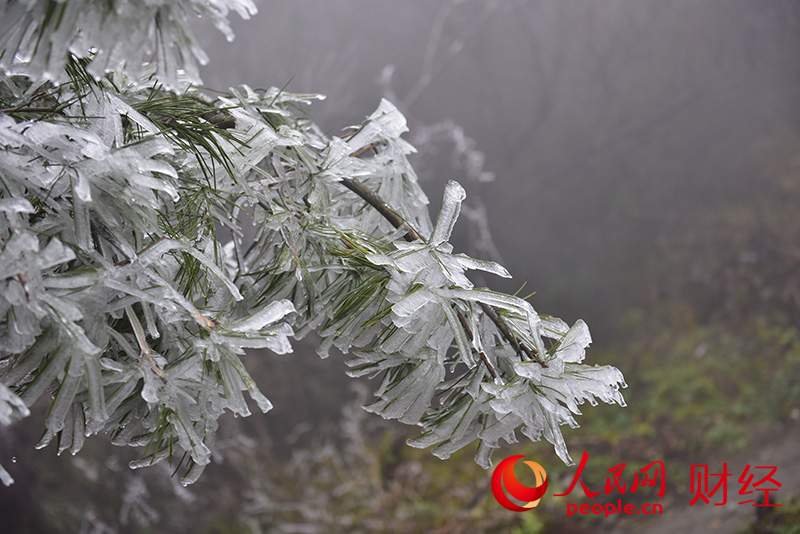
{"x": 635, "y": 163}
{"x": 646, "y": 178}
{"x": 608, "y": 125}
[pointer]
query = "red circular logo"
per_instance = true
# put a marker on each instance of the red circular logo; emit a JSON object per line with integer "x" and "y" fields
{"x": 504, "y": 476}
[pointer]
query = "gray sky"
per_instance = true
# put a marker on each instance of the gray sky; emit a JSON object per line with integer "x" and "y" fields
{"x": 607, "y": 124}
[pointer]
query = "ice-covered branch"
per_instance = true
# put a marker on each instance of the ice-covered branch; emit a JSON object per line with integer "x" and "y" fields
{"x": 129, "y": 289}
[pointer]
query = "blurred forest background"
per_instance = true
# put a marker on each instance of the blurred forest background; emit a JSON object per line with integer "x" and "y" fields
{"x": 636, "y": 162}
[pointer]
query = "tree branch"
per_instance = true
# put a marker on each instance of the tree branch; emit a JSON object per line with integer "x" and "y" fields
{"x": 373, "y": 199}
{"x": 503, "y": 327}
{"x": 468, "y": 330}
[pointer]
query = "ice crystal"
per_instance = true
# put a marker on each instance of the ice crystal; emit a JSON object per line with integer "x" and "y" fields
{"x": 131, "y": 282}
{"x": 37, "y": 35}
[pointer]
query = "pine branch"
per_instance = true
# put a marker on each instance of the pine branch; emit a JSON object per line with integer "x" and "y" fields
{"x": 118, "y": 190}
{"x": 503, "y": 327}
{"x": 373, "y": 199}
{"x": 468, "y": 330}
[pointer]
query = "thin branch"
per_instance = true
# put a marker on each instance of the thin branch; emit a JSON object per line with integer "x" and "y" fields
{"x": 364, "y": 150}
{"x": 27, "y": 110}
{"x": 372, "y": 198}
{"x": 503, "y": 327}
{"x": 468, "y": 330}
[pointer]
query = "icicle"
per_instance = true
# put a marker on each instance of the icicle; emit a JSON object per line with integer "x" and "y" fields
{"x": 268, "y": 315}
{"x": 5, "y": 477}
{"x": 12, "y": 407}
{"x": 454, "y": 194}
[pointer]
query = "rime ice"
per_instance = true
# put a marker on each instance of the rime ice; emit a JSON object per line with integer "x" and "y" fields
{"x": 118, "y": 298}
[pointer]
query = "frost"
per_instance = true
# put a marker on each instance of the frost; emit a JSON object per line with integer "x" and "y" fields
{"x": 34, "y": 41}
{"x": 12, "y": 407}
{"x": 433, "y": 264}
{"x": 15, "y": 205}
{"x": 386, "y": 123}
{"x": 120, "y": 305}
{"x": 406, "y": 395}
{"x": 338, "y": 164}
{"x": 572, "y": 347}
{"x": 270, "y": 314}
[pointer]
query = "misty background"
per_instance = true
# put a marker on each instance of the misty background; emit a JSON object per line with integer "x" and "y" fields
{"x": 608, "y": 125}
{"x": 646, "y": 178}
{"x": 636, "y": 162}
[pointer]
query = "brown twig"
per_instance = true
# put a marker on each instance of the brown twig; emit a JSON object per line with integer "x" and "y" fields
{"x": 468, "y": 330}
{"x": 503, "y": 327}
{"x": 364, "y": 150}
{"x": 372, "y": 198}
